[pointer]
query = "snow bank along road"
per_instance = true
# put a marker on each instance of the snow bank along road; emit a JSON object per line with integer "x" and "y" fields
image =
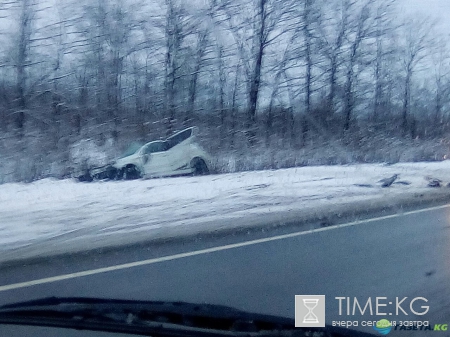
{"x": 57, "y": 216}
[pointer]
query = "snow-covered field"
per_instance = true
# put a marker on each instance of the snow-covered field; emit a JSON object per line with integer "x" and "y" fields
{"x": 50, "y": 216}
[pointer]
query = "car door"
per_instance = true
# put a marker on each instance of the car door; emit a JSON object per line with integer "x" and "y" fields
{"x": 179, "y": 156}
{"x": 179, "y": 151}
{"x": 155, "y": 159}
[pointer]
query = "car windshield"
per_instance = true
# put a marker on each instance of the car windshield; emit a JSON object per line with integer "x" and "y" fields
{"x": 285, "y": 158}
{"x": 132, "y": 149}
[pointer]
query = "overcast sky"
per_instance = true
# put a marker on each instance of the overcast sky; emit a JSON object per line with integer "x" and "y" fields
{"x": 438, "y": 9}
{"x": 435, "y": 8}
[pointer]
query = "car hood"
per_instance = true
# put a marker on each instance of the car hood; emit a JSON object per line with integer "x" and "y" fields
{"x": 121, "y": 162}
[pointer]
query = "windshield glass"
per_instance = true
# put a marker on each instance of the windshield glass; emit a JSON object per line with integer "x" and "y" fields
{"x": 132, "y": 149}
{"x": 288, "y": 158}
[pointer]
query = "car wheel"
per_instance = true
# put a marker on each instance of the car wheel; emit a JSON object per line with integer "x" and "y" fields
{"x": 100, "y": 176}
{"x": 119, "y": 175}
{"x": 200, "y": 167}
{"x": 86, "y": 177}
{"x": 130, "y": 172}
{"x": 111, "y": 173}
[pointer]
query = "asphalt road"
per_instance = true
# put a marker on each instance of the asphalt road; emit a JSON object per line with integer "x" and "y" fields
{"x": 394, "y": 257}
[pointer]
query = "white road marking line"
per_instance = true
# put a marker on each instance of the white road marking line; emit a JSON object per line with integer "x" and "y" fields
{"x": 204, "y": 251}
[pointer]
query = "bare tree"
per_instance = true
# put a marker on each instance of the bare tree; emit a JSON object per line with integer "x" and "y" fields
{"x": 416, "y": 34}
{"x": 201, "y": 51}
{"x": 333, "y": 30}
{"x": 310, "y": 20}
{"x": 107, "y": 34}
{"x": 24, "y": 37}
{"x": 260, "y": 40}
{"x": 255, "y": 25}
{"x": 174, "y": 34}
{"x": 441, "y": 79}
{"x": 363, "y": 25}
{"x": 384, "y": 29}
{"x": 269, "y": 14}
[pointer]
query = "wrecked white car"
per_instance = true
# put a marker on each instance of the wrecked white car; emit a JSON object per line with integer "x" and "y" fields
{"x": 177, "y": 155}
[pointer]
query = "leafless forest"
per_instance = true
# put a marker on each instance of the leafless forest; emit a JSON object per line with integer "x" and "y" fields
{"x": 270, "y": 83}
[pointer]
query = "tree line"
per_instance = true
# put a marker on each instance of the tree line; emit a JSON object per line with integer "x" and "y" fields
{"x": 251, "y": 73}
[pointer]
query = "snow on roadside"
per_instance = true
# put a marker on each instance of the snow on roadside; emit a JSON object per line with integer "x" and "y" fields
{"x": 49, "y": 212}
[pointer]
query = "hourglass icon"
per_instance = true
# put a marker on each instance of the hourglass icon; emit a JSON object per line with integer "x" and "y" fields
{"x": 310, "y": 304}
